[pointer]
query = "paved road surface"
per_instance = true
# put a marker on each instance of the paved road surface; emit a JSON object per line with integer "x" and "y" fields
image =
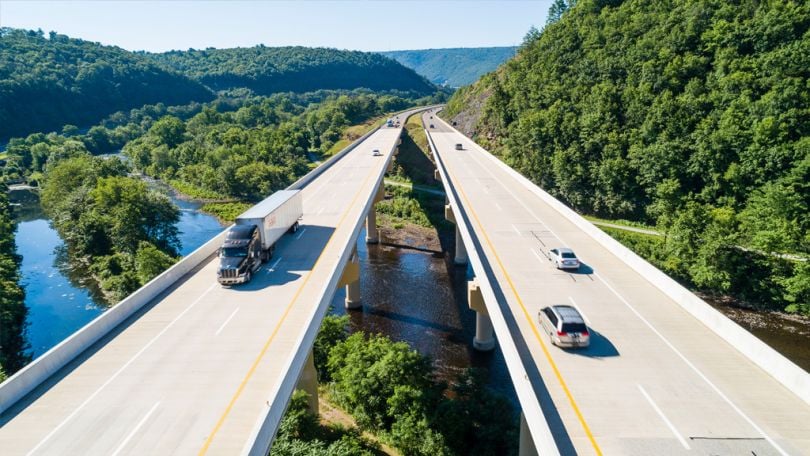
{"x": 192, "y": 374}
{"x": 655, "y": 381}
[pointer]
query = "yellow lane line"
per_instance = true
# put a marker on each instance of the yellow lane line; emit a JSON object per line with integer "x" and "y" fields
{"x": 528, "y": 318}
{"x": 256, "y": 362}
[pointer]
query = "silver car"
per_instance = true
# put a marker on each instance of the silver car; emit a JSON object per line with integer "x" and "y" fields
{"x": 563, "y": 258}
{"x": 565, "y": 326}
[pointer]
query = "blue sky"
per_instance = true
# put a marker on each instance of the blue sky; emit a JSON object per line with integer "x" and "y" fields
{"x": 361, "y": 25}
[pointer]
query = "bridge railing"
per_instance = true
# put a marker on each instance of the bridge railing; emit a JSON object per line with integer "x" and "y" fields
{"x": 774, "y": 363}
{"x": 35, "y": 373}
{"x": 538, "y": 426}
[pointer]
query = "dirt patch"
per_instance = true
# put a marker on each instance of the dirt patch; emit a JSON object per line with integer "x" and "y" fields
{"x": 400, "y": 233}
{"x": 332, "y": 415}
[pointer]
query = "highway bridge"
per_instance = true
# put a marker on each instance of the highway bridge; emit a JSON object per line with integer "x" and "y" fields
{"x": 204, "y": 369}
{"x": 184, "y": 366}
{"x": 664, "y": 375}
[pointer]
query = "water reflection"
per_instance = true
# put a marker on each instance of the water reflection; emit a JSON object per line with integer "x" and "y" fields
{"x": 421, "y": 299}
{"x": 60, "y": 296}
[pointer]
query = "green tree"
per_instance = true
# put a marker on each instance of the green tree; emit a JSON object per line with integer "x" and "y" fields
{"x": 150, "y": 261}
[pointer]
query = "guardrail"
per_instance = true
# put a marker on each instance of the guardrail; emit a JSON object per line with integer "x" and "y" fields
{"x": 774, "y": 363}
{"x": 535, "y": 419}
{"x": 35, "y": 373}
{"x": 266, "y": 426}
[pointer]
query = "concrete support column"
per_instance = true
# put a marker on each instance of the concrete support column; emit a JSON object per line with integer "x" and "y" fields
{"x": 461, "y": 250}
{"x": 309, "y": 383}
{"x": 372, "y": 234}
{"x": 484, "y": 335}
{"x": 526, "y": 443}
{"x": 351, "y": 279}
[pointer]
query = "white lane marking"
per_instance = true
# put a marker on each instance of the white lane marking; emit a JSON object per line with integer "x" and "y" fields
{"x": 584, "y": 317}
{"x": 664, "y": 417}
{"x": 273, "y": 266}
{"x": 321, "y": 211}
{"x": 302, "y": 233}
{"x": 647, "y": 323}
{"x": 484, "y": 188}
{"x": 542, "y": 260}
{"x": 120, "y": 370}
{"x": 498, "y": 206}
{"x": 516, "y": 229}
{"x": 226, "y": 322}
{"x": 135, "y": 429}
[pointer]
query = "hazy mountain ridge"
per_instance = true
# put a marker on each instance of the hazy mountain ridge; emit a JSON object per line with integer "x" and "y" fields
{"x": 454, "y": 67}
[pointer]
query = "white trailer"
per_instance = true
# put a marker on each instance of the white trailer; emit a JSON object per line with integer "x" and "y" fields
{"x": 274, "y": 216}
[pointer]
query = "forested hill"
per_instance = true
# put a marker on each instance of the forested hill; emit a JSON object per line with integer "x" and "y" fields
{"x": 49, "y": 81}
{"x": 693, "y": 115}
{"x": 267, "y": 70}
{"x": 453, "y": 67}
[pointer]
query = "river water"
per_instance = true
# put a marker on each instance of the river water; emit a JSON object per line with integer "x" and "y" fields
{"x": 59, "y": 298}
{"x": 408, "y": 295}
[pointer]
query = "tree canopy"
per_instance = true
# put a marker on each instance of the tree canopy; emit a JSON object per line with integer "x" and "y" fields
{"x": 47, "y": 82}
{"x": 693, "y": 115}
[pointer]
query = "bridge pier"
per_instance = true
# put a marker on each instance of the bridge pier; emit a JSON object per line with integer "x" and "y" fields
{"x": 484, "y": 339}
{"x": 309, "y": 383}
{"x": 461, "y": 250}
{"x": 525, "y": 443}
{"x": 351, "y": 279}
{"x": 372, "y": 234}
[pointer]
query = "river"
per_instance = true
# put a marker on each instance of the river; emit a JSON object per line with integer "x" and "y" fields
{"x": 408, "y": 295}
{"x": 59, "y": 298}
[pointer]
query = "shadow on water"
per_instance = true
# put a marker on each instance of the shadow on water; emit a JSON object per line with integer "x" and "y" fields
{"x": 421, "y": 298}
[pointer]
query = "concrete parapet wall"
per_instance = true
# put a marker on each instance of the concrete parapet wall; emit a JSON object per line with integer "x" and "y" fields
{"x": 538, "y": 426}
{"x": 774, "y": 363}
{"x": 32, "y": 375}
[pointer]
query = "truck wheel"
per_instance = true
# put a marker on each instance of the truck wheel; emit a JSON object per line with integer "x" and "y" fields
{"x": 264, "y": 256}
{"x": 294, "y": 227}
{"x": 248, "y": 276}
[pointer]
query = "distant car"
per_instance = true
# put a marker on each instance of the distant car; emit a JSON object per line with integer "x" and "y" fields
{"x": 454, "y": 123}
{"x": 376, "y": 153}
{"x": 563, "y": 258}
{"x": 431, "y": 117}
{"x": 431, "y": 125}
{"x": 459, "y": 146}
{"x": 565, "y": 326}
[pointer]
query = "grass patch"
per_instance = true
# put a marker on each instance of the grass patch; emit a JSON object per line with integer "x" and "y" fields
{"x": 405, "y": 205}
{"x": 620, "y": 222}
{"x": 417, "y": 132}
{"x": 350, "y": 134}
{"x": 193, "y": 191}
{"x": 225, "y": 212}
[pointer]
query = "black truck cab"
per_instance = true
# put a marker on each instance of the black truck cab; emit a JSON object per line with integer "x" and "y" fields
{"x": 241, "y": 254}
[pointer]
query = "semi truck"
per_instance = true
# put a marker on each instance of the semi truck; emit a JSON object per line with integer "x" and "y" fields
{"x": 251, "y": 241}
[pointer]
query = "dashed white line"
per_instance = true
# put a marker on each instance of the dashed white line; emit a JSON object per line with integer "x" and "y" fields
{"x": 585, "y": 317}
{"x": 694, "y": 368}
{"x": 516, "y": 229}
{"x": 663, "y": 417}
{"x": 135, "y": 429}
{"x": 321, "y": 211}
{"x": 226, "y": 322}
{"x": 542, "y": 260}
{"x": 498, "y": 206}
{"x": 273, "y": 266}
{"x": 302, "y": 233}
{"x": 119, "y": 371}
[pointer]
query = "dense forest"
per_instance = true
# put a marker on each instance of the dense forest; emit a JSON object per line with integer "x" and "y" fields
{"x": 12, "y": 296}
{"x": 50, "y": 81}
{"x": 233, "y": 150}
{"x": 454, "y": 67}
{"x": 268, "y": 70}
{"x": 690, "y": 115}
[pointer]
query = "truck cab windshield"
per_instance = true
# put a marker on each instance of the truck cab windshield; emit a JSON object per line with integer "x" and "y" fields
{"x": 234, "y": 252}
